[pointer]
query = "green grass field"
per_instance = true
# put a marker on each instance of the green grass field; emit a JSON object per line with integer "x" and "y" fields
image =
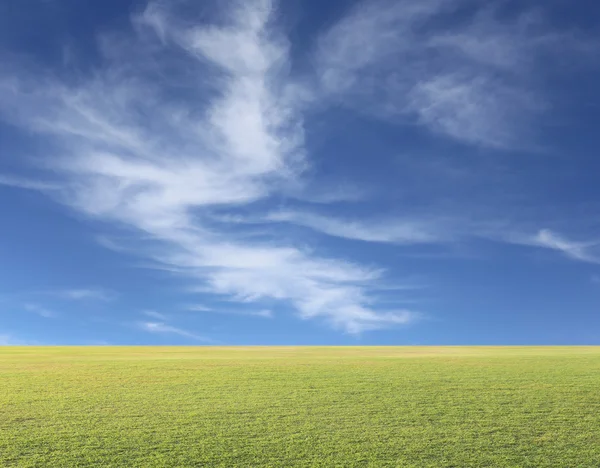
{"x": 355, "y": 406}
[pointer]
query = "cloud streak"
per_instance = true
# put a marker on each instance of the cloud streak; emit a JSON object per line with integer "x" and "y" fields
{"x": 155, "y": 315}
{"x": 40, "y": 310}
{"x": 19, "y": 182}
{"x": 94, "y": 294}
{"x": 162, "y": 328}
{"x": 263, "y": 313}
{"x": 392, "y": 231}
{"x": 440, "y": 231}
{"x": 581, "y": 251}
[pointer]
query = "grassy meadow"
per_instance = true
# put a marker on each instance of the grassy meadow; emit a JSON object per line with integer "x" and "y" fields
{"x": 300, "y": 406}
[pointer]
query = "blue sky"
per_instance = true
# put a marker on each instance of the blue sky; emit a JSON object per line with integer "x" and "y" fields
{"x": 302, "y": 172}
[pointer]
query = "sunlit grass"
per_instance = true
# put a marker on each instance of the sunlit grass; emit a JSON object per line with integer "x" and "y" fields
{"x": 376, "y": 406}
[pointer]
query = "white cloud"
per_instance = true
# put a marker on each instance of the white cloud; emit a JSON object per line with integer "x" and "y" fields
{"x": 317, "y": 287}
{"x": 131, "y": 151}
{"x": 475, "y": 109}
{"x": 440, "y": 230}
{"x": 395, "y": 231}
{"x": 162, "y": 328}
{"x": 477, "y": 81}
{"x": 199, "y": 308}
{"x": 264, "y": 313}
{"x": 86, "y": 294}
{"x": 155, "y": 315}
{"x": 368, "y": 41}
{"x": 583, "y": 251}
{"x": 40, "y": 310}
{"x": 19, "y": 182}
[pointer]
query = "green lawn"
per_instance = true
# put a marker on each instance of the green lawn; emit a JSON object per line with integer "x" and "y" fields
{"x": 352, "y": 406}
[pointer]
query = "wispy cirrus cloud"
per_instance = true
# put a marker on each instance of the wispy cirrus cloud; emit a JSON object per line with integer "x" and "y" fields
{"x": 391, "y": 230}
{"x": 155, "y": 315}
{"x": 20, "y": 182}
{"x": 461, "y": 69}
{"x": 82, "y": 294}
{"x": 581, "y": 251}
{"x": 235, "y": 140}
{"x": 163, "y": 328}
{"x": 40, "y": 310}
{"x": 440, "y": 230}
{"x": 198, "y": 308}
{"x": 263, "y": 313}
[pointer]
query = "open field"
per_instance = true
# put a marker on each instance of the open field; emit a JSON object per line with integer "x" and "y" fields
{"x": 376, "y": 406}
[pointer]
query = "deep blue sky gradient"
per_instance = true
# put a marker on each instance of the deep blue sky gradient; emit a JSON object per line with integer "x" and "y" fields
{"x": 513, "y": 248}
